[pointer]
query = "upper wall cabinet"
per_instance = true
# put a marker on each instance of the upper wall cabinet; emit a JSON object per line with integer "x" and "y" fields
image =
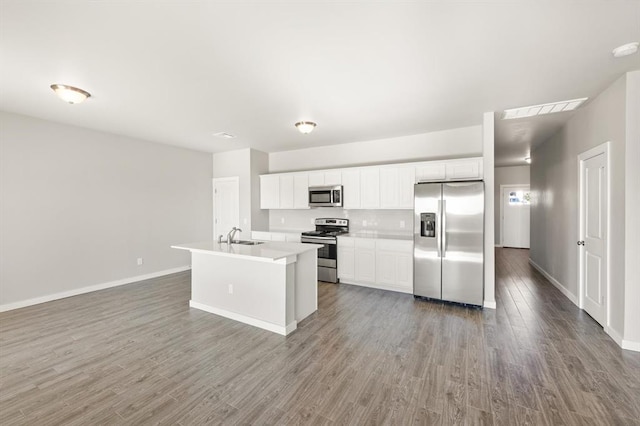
{"x": 328, "y": 178}
{"x": 284, "y": 191}
{"x": 464, "y": 169}
{"x": 396, "y": 187}
{"x": 371, "y": 187}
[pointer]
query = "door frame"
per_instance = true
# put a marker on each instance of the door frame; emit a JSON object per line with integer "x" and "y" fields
{"x": 235, "y": 179}
{"x": 502, "y": 188}
{"x": 603, "y": 148}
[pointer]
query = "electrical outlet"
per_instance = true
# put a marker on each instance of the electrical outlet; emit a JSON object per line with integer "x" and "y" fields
{"x": 282, "y": 220}
{"x": 364, "y": 223}
{"x": 230, "y": 288}
{"x": 313, "y": 221}
{"x": 245, "y": 221}
{"x": 140, "y": 261}
{"x": 402, "y": 224}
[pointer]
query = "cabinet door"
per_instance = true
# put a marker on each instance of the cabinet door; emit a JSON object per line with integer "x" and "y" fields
{"x": 370, "y": 188}
{"x": 406, "y": 180}
{"x": 333, "y": 178}
{"x": 316, "y": 179}
{"x": 301, "y": 191}
{"x": 346, "y": 263}
{"x": 466, "y": 169}
{"x": 385, "y": 267}
{"x": 430, "y": 172}
{"x": 389, "y": 187}
{"x": 365, "y": 256}
{"x": 261, "y": 236}
{"x": 351, "y": 189}
{"x": 404, "y": 270}
{"x": 269, "y": 191}
{"x": 286, "y": 191}
{"x": 278, "y": 236}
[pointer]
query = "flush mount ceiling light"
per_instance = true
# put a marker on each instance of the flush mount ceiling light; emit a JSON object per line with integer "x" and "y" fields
{"x": 305, "y": 126}
{"x": 625, "y": 50}
{"x": 70, "y": 94}
{"x": 224, "y": 135}
{"x": 542, "y": 109}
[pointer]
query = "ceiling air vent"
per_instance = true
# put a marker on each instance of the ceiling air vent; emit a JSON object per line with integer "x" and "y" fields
{"x": 542, "y": 109}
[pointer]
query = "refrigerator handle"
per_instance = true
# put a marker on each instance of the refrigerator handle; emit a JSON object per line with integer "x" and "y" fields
{"x": 444, "y": 227}
{"x": 439, "y": 228}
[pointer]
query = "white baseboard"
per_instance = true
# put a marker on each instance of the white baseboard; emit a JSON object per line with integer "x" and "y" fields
{"x": 624, "y": 344}
{"x": 380, "y": 286}
{"x": 499, "y": 245}
{"x": 246, "y": 319}
{"x": 555, "y": 283}
{"x": 489, "y": 304}
{"x": 89, "y": 289}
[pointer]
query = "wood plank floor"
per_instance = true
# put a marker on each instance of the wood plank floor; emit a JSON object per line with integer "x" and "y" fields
{"x": 138, "y": 355}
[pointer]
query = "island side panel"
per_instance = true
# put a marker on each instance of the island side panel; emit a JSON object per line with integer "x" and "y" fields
{"x": 251, "y": 288}
{"x": 306, "y": 284}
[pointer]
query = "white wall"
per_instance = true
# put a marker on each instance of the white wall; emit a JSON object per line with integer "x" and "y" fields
{"x": 454, "y": 143}
{"x": 554, "y": 185}
{"x": 383, "y": 221}
{"x": 248, "y": 164}
{"x": 513, "y": 175}
{"x": 78, "y": 207}
{"x": 632, "y": 209}
{"x": 488, "y": 148}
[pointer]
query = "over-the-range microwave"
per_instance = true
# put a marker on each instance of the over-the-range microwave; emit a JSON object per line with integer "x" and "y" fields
{"x": 325, "y": 196}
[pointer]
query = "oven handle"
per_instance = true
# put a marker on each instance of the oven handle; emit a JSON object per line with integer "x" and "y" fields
{"x": 319, "y": 240}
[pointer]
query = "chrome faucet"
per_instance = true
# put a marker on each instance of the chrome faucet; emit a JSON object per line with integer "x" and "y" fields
{"x": 232, "y": 233}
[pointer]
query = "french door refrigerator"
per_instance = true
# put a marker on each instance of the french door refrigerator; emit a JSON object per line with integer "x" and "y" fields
{"x": 449, "y": 241}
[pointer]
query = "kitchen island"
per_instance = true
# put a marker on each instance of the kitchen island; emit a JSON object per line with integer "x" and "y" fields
{"x": 272, "y": 285}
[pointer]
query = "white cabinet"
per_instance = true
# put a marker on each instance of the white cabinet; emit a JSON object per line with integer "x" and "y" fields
{"x": 464, "y": 169}
{"x": 370, "y": 188}
{"x": 430, "y": 172}
{"x": 396, "y": 187}
{"x": 301, "y": 191}
{"x": 365, "y": 260}
{"x": 351, "y": 189}
{"x": 286, "y": 192}
{"x": 346, "y": 259}
{"x": 327, "y": 178}
{"x": 269, "y": 191}
{"x": 394, "y": 264}
{"x": 376, "y": 262}
{"x": 276, "y": 236}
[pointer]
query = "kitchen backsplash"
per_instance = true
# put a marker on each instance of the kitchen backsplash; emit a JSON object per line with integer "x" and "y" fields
{"x": 383, "y": 221}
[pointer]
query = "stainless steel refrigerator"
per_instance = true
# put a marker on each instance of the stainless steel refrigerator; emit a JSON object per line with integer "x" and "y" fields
{"x": 448, "y": 259}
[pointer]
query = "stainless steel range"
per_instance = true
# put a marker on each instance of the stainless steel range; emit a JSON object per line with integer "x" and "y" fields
{"x": 326, "y": 233}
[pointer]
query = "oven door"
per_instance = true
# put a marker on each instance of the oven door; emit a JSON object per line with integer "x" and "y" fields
{"x": 328, "y": 254}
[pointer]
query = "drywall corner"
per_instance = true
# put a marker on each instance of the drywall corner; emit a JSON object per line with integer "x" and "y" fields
{"x": 488, "y": 154}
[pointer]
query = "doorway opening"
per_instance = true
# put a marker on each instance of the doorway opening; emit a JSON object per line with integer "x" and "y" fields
{"x": 515, "y": 216}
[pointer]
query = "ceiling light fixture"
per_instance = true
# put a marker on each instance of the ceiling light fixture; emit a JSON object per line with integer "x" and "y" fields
{"x": 528, "y": 160}
{"x": 305, "y": 126}
{"x": 542, "y": 109}
{"x": 224, "y": 135}
{"x": 70, "y": 94}
{"x": 625, "y": 50}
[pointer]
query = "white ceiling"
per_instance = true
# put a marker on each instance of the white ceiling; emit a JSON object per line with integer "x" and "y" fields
{"x": 177, "y": 72}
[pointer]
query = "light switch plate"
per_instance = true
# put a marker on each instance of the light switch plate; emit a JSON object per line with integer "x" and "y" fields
{"x": 402, "y": 224}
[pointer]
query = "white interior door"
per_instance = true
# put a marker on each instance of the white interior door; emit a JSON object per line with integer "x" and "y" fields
{"x": 515, "y": 216}
{"x": 226, "y": 206}
{"x": 593, "y": 234}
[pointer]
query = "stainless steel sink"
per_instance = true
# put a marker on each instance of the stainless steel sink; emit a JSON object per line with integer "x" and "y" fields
{"x": 247, "y": 242}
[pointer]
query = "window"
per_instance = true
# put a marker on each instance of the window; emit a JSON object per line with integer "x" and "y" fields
{"x": 519, "y": 198}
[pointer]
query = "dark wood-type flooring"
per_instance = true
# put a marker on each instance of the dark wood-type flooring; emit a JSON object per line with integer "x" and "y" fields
{"x": 138, "y": 355}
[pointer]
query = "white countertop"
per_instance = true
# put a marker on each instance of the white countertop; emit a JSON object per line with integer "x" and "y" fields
{"x": 269, "y": 251}
{"x": 379, "y": 235}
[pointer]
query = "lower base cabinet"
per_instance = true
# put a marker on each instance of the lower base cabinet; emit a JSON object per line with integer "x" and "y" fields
{"x": 378, "y": 263}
